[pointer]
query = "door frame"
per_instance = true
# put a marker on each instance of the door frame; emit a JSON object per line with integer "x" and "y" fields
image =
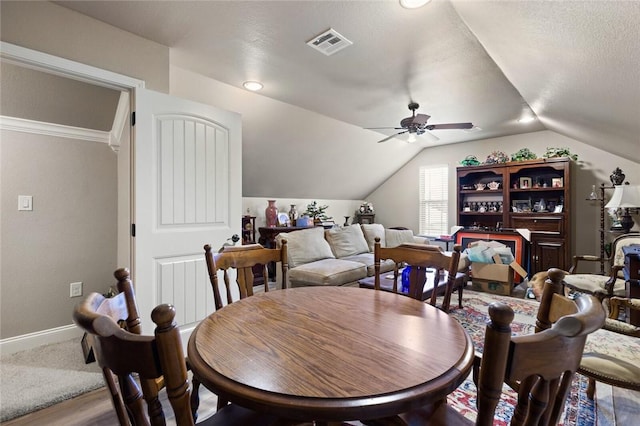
{"x": 51, "y": 64}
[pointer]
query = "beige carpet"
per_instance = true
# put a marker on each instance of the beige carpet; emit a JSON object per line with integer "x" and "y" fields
{"x": 40, "y": 377}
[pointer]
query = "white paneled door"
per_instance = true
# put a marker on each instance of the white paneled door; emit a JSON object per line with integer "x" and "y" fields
{"x": 187, "y": 193}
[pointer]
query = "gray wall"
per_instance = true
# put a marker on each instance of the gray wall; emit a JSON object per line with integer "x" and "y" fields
{"x": 397, "y": 200}
{"x": 50, "y": 28}
{"x": 68, "y": 237}
{"x": 45, "y": 268}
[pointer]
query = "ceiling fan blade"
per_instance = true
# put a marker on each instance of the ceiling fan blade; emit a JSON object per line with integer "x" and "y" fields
{"x": 377, "y": 128}
{"x": 421, "y": 119}
{"x": 449, "y": 126}
{"x": 392, "y": 136}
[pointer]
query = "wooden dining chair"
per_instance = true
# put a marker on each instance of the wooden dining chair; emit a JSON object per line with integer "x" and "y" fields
{"x": 424, "y": 260}
{"x": 539, "y": 366}
{"x": 124, "y": 354}
{"x": 123, "y": 310}
{"x": 244, "y": 259}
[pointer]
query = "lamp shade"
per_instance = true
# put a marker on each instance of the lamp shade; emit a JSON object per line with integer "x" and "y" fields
{"x": 625, "y": 196}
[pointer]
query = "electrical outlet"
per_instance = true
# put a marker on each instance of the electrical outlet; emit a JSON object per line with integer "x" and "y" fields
{"x": 75, "y": 289}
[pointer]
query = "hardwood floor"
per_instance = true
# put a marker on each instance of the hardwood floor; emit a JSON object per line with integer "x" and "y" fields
{"x": 93, "y": 408}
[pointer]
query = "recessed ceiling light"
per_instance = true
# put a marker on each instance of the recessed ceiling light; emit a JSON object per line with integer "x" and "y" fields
{"x": 413, "y": 4}
{"x": 254, "y": 86}
{"x": 526, "y": 119}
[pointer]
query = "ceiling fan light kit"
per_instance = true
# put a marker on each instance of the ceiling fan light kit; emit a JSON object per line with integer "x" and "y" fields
{"x": 417, "y": 125}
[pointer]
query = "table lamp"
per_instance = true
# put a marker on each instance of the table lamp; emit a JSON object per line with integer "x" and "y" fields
{"x": 625, "y": 197}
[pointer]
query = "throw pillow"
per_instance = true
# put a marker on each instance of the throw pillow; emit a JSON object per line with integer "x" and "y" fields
{"x": 395, "y": 237}
{"x": 306, "y": 245}
{"x": 371, "y": 231}
{"x": 347, "y": 241}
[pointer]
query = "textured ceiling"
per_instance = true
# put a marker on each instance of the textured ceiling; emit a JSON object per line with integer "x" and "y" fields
{"x": 574, "y": 63}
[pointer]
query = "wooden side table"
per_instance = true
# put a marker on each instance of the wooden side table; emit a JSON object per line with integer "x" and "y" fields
{"x": 364, "y": 218}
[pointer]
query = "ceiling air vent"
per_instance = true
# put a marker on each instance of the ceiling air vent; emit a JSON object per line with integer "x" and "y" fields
{"x": 329, "y": 42}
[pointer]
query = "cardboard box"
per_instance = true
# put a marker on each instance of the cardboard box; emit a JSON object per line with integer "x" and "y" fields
{"x": 492, "y": 272}
{"x": 489, "y": 286}
{"x": 494, "y": 278}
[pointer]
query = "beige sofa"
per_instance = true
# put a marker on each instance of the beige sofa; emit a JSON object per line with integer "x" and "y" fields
{"x": 339, "y": 256}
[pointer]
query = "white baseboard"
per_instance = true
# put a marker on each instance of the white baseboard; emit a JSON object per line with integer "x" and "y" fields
{"x": 60, "y": 334}
{"x": 39, "y": 338}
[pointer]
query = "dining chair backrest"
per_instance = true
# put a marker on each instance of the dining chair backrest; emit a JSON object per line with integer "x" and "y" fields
{"x": 540, "y": 366}
{"x": 123, "y": 310}
{"x": 423, "y": 259}
{"x": 120, "y": 352}
{"x": 244, "y": 259}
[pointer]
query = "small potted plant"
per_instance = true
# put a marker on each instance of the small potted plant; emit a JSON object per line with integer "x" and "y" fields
{"x": 496, "y": 157}
{"x": 523, "y": 154}
{"x": 560, "y": 152}
{"x": 470, "y": 160}
{"x": 317, "y": 212}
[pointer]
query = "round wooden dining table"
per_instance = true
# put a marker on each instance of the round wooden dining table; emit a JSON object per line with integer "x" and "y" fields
{"x": 330, "y": 353}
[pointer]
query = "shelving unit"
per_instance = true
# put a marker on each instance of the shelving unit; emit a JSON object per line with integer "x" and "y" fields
{"x": 248, "y": 229}
{"x": 603, "y": 226}
{"x": 531, "y": 194}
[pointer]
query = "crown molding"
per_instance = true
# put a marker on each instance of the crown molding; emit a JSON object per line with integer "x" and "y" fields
{"x": 51, "y": 129}
{"x": 40, "y": 61}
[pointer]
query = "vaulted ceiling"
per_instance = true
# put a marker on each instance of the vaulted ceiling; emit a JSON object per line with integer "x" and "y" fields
{"x": 574, "y": 64}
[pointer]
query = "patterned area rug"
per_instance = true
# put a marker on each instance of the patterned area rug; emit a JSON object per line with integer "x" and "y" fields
{"x": 579, "y": 410}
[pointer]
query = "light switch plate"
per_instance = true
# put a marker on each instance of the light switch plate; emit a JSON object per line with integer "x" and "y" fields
{"x": 25, "y": 202}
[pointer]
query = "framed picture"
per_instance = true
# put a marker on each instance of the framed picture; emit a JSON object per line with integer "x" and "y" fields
{"x": 283, "y": 219}
{"x": 525, "y": 182}
{"x": 521, "y": 206}
{"x": 557, "y": 182}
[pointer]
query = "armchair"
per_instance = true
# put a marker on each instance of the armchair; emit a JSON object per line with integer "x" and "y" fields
{"x": 612, "y": 354}
{"x": 602, "y": 286}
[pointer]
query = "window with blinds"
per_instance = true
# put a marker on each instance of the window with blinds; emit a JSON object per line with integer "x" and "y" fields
{"x": 434, "y": 200}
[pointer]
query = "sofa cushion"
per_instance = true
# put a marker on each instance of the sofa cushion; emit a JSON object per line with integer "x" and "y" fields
{"x": 367, "y": 259}
{"x": 395, "y": 237}
{"x": 371, "y": 231}
{"x": 327, "y": 272}
{"x": 306, "y": 245}
{"x": 346, "y": 241}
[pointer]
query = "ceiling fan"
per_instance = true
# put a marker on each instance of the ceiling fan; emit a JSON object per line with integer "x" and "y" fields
{"x": 417, "y": 125}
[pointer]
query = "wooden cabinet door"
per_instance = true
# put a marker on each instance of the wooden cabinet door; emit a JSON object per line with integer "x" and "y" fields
{"x": 547, "y": 253}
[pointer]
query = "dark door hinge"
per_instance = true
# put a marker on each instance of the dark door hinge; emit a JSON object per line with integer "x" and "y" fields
{"x": 133, "y": 229}
{"x": 133, "y": 118}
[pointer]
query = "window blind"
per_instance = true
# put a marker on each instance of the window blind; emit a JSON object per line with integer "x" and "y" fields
{"x": 434, "y": 200}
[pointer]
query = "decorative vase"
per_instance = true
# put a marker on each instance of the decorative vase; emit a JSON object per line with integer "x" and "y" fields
{"x": 617, "y": 177}
{"x": 271, "y": 214}
{"x": 293, "y": 215}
